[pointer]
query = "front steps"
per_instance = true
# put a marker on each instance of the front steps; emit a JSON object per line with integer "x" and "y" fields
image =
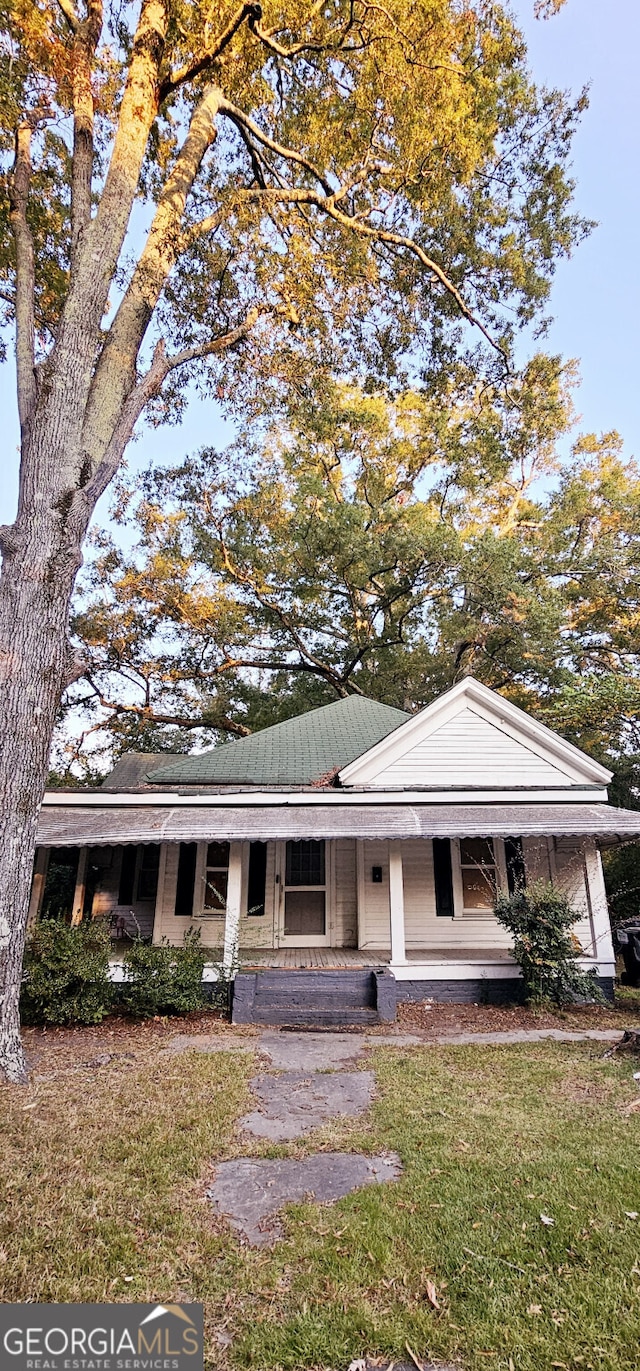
{"x": 323, "y": 999}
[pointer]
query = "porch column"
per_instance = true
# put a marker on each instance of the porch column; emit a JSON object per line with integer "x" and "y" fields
{"x": 232, "y": 916}
{"x": 81, "y": 881}
{"x": 396, "y": 903}
{"x": 37, "y": 886}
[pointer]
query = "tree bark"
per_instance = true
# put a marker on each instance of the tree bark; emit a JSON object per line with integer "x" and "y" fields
{"x": 38, "y": 571}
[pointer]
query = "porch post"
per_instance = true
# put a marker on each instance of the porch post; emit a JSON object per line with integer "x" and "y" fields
{"x": 37, "y": 888}
{"x": 81, "y": 881}
{"x": 396, "y": 903}
{"x": 232, "y": 916}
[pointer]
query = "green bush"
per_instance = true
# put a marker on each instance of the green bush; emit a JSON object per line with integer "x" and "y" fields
{"x": 66, "y": 974}
{"x": 540, "y": 919}
{"x": 161, "y": 979}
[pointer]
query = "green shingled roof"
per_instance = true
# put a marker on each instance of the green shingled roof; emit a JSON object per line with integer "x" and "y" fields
{"x": 296, "y": 752}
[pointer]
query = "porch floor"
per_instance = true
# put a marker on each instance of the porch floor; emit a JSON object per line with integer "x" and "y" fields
{"x": 335, "y": 958}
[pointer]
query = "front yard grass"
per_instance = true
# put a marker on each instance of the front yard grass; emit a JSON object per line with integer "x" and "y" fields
{"x": 105, "y": 1171}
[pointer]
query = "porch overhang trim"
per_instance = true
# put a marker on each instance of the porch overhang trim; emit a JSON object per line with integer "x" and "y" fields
{"x": 76, "y": 826}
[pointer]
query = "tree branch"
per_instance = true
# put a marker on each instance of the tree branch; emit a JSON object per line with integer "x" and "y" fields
{"x": 111, "y": 386}
{"x": 86, "y": 39}
{"x": 146, "y": 389}
{"x": 192, "y": 69}
{"x": 70, "y": 15}
{"x": 138, "y": 109}
{"x": 19, "y": 182}
{"x": 327, "y": 205}
{"x": 238, "y": 117}
{"x": 150, "y": 715}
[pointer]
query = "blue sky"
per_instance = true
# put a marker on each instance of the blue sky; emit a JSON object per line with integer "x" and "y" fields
{"x": 596, "y": 295}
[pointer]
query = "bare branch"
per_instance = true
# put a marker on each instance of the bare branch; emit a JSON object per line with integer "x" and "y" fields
{"x": 150, "y": 715}
{"x": 19, "y": 182}
{"x": 238, "y": 117}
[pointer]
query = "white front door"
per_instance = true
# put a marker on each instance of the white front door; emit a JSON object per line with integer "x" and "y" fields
{"x": 302, "y": 891}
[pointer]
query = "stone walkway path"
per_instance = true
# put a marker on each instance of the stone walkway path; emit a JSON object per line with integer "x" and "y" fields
{"x": 305, "y": 1084}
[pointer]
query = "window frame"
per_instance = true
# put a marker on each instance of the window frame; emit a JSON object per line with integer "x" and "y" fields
{"x": 200, "y": 910}
{"x": 500, "y": 867}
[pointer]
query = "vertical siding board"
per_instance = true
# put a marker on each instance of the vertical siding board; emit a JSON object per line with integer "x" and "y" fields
{"x": 470, "y": 750}
{"x": 374, "y": 923}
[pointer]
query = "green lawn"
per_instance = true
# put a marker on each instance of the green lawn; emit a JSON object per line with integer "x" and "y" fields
{"x": 105, "y": 1178}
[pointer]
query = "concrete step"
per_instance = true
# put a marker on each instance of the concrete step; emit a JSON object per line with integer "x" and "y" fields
{"x": 321, "y": 1018}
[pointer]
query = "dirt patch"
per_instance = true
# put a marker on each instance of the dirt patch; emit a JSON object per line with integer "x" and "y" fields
{"x": 584, "y": 1092}
{"x": 63, "y": 1049}
{"x": 436, "y": 1019}
{"x": 250, "y": 1193}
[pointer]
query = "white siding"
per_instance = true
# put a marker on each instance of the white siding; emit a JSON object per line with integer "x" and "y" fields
{"x": 571, "y": 877}
{"x": 344, "y": 914}
{"x": 373, "y": 913}
{"x": 468, "y": 750}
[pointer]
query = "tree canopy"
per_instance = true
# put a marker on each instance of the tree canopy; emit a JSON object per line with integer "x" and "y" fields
{"x": 386, "y": 547}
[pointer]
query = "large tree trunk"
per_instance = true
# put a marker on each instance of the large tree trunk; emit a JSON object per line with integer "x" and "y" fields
{"x": 41, "y": 555}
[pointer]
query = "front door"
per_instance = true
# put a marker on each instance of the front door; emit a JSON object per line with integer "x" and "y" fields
{"x": 301, "y": 879}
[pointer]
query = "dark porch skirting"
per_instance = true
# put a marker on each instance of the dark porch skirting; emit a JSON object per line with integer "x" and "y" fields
{"x": 331, "y": 998}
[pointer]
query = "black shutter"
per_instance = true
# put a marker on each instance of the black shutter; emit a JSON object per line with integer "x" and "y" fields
{"x": 257, "y": 879}
{"x": 442, "y": 877}
{"x": 186, "y": 880}
{"x": 127, "y": 875}
{"x": 514, "y": 856}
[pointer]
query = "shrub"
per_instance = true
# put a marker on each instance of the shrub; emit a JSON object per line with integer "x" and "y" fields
{"x": 540, "y": 919}
{"x": 161, "y": 979}
{"x": 66, "y": 974}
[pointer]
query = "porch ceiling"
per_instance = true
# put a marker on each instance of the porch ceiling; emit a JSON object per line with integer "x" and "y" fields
{"x": 75, "y": 825}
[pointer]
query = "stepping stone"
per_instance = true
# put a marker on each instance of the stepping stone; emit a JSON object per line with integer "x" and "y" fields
{"x": 250, "y": 1193}
{"x": 311, "y": 1051}
{"x": 293, "y": 1104}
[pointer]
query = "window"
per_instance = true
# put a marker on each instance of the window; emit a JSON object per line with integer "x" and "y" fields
{"x": 442, "y": 877}
{"x": 186, "y": 883}
{"x": 216, "y": 878}
{"x": 257, "y": 882}
{"x": 305, "y": 862}
{"x": 139, "y": 873}
{"x": 479, "y": 874}
{"x": 148, "y": 864}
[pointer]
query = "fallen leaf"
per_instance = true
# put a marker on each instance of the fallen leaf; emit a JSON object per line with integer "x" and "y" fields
{"x": 547, "y": 1221}
{"x": 630, "y": 1214}
{"x": 431, "y": 1294}
{"x": 534, "y": 1309}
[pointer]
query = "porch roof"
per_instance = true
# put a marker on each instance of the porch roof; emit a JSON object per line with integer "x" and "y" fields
{"x": 64, "y": 825}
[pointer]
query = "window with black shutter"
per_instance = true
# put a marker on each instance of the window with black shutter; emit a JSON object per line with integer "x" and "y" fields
{"x": 186, "y": 883}
{"x": 127, "y": 875}
{"x": 257, "y": 882}
{"x": 442, "y": 877}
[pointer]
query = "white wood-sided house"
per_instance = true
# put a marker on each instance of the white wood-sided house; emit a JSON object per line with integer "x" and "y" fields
{"x": 352, "y": 841}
